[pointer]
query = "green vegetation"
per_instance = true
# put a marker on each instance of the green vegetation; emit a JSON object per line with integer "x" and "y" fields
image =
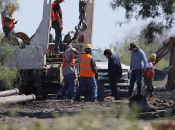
{"x": 85, "y": 120}
{"x": 8, "y": 72}
{"x": 3, "y": 3}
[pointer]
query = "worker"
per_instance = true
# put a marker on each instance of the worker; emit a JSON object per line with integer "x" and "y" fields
{"x": 137, "y": 67}
{"x": 114, "y": 72}
{"x": 68, "y": 72}
{"x": 149, "y": 75}
{"x": 7, "y": 19}
{"x": 57, "y": 24}
{"x": 87, "y": 70}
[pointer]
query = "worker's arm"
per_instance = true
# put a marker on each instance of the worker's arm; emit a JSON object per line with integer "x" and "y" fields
{"x": 93, "y": 64}
{"x": 69, "y": 51}
{"x": 111, "y": 66}
{"x": 58, "y": 18}
{"x": 143, "y": 56}
{"x": 9, "y": 19}
{"x": 131, "y": 61}
{"x": 6, "y": 16}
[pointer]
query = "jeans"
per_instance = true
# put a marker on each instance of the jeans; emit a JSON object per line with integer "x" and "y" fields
{"x": 136, "y": 75}
{"x": 69, "y": 88}
{"x": 113, "y": 87}
{"x": 58, "y": 39}
{"x": 9, "y": 31}
{"x": 149, "y": 92}
{"x": 92, "y": 83}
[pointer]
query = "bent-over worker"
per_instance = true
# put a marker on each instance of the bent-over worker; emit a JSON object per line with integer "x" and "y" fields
{"x": 114, "y": 72}
{"x": 68, "y": 72}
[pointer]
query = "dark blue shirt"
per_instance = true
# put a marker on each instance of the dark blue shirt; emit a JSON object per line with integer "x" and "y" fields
{"x": 113, "y": 63}
{"x": 56, "y": 8}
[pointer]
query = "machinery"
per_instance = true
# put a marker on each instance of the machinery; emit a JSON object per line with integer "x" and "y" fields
{"x": 167, "y": 46}
{"x": 41, "y": 69}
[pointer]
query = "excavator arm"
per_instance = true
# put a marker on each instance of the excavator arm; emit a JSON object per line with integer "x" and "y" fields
{"x": 168, "y": 46}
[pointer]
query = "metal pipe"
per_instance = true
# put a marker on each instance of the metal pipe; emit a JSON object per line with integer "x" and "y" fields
{"x": 9, "y": 92}
{"x": 17, "y": 99}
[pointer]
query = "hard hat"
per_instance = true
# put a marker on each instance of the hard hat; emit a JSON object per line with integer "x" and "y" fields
{"x": 68, "y": 46}
{"x": 153, "y": 56}
{"x": 88, "y": 46}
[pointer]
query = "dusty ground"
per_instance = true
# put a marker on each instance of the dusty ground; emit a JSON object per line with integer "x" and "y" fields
{"x": 46, "y": 110}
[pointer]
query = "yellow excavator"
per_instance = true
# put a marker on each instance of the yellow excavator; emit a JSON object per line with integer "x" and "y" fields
{"x": 167, "y": 46}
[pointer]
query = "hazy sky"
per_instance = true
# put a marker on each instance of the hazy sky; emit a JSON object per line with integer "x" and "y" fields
{"x": 105, "y": 30}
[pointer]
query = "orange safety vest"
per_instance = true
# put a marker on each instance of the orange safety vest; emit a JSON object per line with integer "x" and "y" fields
{"x": 53, "y": 16}
{"x": 10, "y": 23}
{"x": 71, "y": 61}
{"x": 149, "y": 73}
{"x": 85, "y": 66}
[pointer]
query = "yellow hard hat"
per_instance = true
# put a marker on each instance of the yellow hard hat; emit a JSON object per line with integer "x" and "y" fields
{"x": 88, "y": 46}
{"x": 153, "y": 56}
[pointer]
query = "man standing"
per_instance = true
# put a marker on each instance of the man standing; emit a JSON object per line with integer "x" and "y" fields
{"x": 87, "y": 71}
{"x": 114, "y": 71}
{"x": 57, "y": 22}
{"x": 138, "y": 67}
{"x": 8, "y": 20}
{"x": 68, "y": 72}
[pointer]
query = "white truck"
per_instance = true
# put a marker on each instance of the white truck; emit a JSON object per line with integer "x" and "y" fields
{"x": 41, "y": 69}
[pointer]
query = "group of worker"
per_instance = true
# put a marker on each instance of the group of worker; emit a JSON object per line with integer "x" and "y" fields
{"x": 139, "y": 66}
{"x": 87, "y": 72}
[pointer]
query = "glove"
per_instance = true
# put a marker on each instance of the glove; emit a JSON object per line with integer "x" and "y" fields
{"x": 76, "y": 52}
{"x": 60, "y": 27}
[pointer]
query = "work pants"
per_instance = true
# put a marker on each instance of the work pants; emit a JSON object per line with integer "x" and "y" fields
{"x": 149, "y": 92}
{"x": 69, "y": 88}
{"x": 136, "y": 75}
{"x": 92, "y": 83}
{"x": 113, "y": 87}
{"x": 9, "y": 31}
{"x": 58, "y": 38}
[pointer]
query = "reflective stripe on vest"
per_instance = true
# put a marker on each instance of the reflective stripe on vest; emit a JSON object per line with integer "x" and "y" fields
{"x": 53, "y": 16}
{"x": 10, "y": 23}
{"x": 149, "y": 73}
{"x": 71, "y": 61}
{"x": 85, "y": 66}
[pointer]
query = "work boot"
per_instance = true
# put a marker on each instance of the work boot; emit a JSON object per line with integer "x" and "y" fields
{"x": 93, "y": 100}
{"x": 63, "y": 97}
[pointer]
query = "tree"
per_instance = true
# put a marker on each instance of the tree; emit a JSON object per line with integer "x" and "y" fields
{"x": 8, "y": 73}
{"x": 3, "y": 3}
{"x": 161, "y": 13}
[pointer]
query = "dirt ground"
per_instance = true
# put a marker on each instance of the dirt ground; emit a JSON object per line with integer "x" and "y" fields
{"x": 25, "y": 114}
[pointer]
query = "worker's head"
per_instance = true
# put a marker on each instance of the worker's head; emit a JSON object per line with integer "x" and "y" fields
{"x": 68, "y": 46}
{"x": 60, "y": 1}
{"x": 152, "y": 58}
{"x": 88, "y": 48}
{"x": 10, "y": 8}
{"x": 107, "y": 53}
{"x": 133, "y": 46}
